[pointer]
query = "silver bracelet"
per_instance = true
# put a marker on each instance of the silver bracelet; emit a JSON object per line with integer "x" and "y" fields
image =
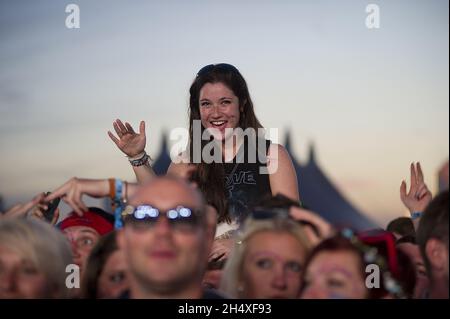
{"x": 416, "y": 215}
{"x": 144, "y": 160}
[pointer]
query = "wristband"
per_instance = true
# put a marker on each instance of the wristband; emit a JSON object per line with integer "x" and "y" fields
{"x": 143, "y": 160}
{"x": 118, "y": 205}
{"x": 112, "y": 188}
{"x": 140, "y": 155}
{"x": 416, "y": 215}
{"x": 118, "y": 187}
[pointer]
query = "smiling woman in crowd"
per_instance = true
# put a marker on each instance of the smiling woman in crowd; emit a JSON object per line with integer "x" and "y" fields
{"x": 220, "y": 103}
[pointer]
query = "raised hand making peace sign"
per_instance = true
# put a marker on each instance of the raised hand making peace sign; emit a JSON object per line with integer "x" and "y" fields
{"x": 419, "y": 196}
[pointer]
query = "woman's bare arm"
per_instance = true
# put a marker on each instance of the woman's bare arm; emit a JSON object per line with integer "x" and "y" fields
{"x": 283, "y": 178}
{"x": 132, "y": 144}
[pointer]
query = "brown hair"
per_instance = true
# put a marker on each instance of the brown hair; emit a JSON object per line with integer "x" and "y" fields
{"x": 402, "y": 226}
{"x": 211, "y": 177}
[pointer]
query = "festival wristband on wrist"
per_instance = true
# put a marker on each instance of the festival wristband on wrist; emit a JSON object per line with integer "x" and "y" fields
{"x": 139, "y": 160}
{"x": 416, "y": 215}
{"x": 118, "y": 203}
{"x": 136, "y": 157}
{"x": 112, "y": 188}
{"x": 118, "y": 192}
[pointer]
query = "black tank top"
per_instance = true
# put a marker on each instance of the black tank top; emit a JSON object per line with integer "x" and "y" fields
{"x": 245, "y": 184}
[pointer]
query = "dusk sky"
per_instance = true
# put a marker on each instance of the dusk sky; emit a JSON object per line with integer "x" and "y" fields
{"x": 371, "y": 100}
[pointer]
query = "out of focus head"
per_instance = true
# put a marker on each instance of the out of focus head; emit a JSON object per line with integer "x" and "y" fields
{"x": 334, "y": 269}
{"x": 267, "y": 259}
{"x": 397, "y": 263}
{"x": 401, "y": 227}
{"x": 213, "y": 274}
{"x": 33, "y": 260}
{"x": 83, "y": 232}
{"x": 409, "y": 247}
{"x": 166, "y": 237}
{"x": 348, "y": 266}
{"x": 432, "y": 237}
{"x": 106, "y": 270}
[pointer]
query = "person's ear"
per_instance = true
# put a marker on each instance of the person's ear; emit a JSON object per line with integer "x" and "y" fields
{"x": 437, "y": 252}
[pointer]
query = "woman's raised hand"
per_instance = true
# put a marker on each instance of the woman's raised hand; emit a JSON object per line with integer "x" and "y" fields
{"x": 128, "y": 141}
{"x": 419, "y": 196}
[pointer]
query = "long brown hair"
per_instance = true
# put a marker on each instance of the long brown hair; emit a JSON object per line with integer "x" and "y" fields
{"x": 211, "y": 177}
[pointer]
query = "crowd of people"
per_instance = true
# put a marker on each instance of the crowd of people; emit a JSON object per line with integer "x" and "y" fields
{"x": 217, "y": 229}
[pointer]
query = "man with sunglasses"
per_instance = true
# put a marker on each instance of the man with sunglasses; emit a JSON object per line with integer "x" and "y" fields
{"x": 166, "y": 241}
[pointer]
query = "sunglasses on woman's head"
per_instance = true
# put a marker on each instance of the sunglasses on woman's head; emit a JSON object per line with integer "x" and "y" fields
{"x": 180, "y": 218}
{"x": 219, "y": 67}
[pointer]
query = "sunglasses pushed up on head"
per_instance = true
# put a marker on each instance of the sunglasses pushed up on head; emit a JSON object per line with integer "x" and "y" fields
{"x": 217, "y": 67}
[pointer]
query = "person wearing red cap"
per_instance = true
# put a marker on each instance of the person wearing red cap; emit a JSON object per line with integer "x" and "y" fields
{"x": 84, "y": 231}
{"x": 167, "y": 235}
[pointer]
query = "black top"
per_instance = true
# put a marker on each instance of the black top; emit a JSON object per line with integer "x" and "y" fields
{"x": 245, "y": 180}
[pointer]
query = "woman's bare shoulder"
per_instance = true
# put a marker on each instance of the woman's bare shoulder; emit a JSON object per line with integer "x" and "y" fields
{"x": 277, "y": 150}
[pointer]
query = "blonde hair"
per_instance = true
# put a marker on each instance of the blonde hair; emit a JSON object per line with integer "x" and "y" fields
{"x": 42, "y": 245}
{"x": 232, "y": 274}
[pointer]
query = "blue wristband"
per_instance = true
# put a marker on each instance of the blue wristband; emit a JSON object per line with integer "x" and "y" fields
{"x": 117, "y": 200}
{"x": 416, "y": 215}
{"x": 118, "y": 190}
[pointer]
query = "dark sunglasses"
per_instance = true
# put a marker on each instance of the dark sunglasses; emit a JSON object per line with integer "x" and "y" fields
{"x": 218, "y": 67}
{"x": 180, "y": 218}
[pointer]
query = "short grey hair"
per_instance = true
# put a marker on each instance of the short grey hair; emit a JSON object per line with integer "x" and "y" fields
{"x": 43, "y": 245}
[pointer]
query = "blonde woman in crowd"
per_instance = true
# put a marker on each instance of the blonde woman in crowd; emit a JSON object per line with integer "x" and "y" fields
{"x": 33, "y": 260}
{"x": 267, "y": 258}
